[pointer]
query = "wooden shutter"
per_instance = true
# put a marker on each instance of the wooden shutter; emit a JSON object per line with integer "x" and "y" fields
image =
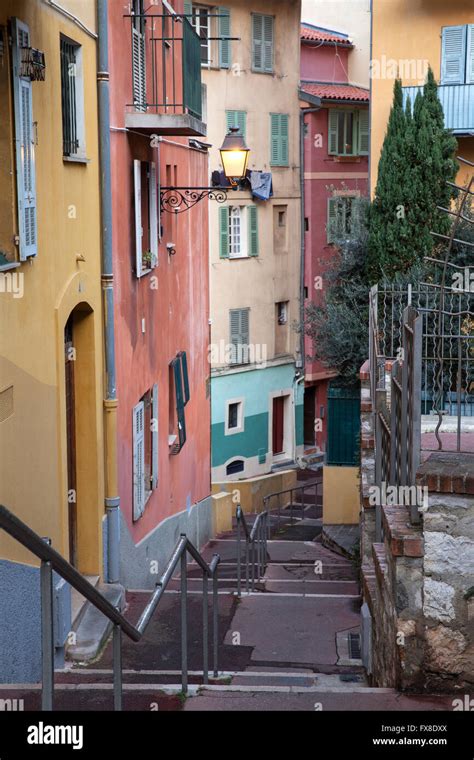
{"x": 224, "y": 232}
{"x": 239, "y": 334}
{"x": 154, "y": 436}
{"x": 252, "y": 222}
{"x": 331, "y": 219}
{"x": 470, "y": 54}
{"x": 363, "y": 132}
{"x": 224, "y": 44}
{"x": 268, "y": 22}
{"x": 138, "y": 65}
{"x": 137, "y": 181}
{"x": 237, "y": 119}
{"x": 279, "y": 126}
{"x": 453, "y": 55}
{"x": 333, "y": 119}
{"x": 188, "y": 9}
{"x": 24, "y": 146}
{"x": 138, "y": 460}
{"x": 153, "y": 213}
{"x": 257, "y": 42}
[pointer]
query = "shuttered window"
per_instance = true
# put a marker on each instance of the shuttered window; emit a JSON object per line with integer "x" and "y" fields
{"x": 470, "y": 54}
{"x": 154, "y": 436}
{"x": 224, "y": 41}
{"x": 262, "y": 43}
{"x": 342, "y": 217}
{"x": 179, "y": 393}
{"x": 146, "y": 216}
{"x": 279, "y": 128}
{"x": 237, "y": 119}
{"x": 348, "y": 132}
{"x": 239, "y": 335}
{"x": 138, "y": 460}
{"x": 69, "y": 97}
{"x": 24, "y": 146}
{"x": 238, "y": 231}
{"x": 138, "y": 57}
{"x": 453, "y": 54}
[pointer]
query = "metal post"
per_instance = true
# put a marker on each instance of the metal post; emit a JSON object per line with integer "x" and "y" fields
{"x": 215, "y": 623}
{"x": 47, "y": 641}
{"x": 117, "y": 665}
{"x": 239, "y": 590}
{"x": 247, "y": 565}
{"x": 184, "y": 623}
{"x": 205, "y": 629}
{"x": 253, "y": 565}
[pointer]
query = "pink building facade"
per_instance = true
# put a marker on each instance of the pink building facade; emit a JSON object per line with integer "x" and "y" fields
{"x": 161, "y": 286}
{"x": 336, "y": 147}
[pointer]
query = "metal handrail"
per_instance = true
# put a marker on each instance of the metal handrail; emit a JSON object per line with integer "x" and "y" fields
{"x": 52, "y": 560}
{"x": 301, "y": 488}
{"x": 255, "y": 543}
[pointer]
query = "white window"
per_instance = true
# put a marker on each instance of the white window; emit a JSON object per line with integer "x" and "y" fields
{"x": 282, "y": 309}
{"x": 202, "y": 24}
{"x": 234, "y": 420}
{"x": 237, "y": 237}
{"x": 145, "y": 450}
{"x": 72, "y": 99}
{"x": 146, "y": 216}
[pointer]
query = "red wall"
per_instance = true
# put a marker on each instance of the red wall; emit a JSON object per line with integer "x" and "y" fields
{"x": 173, "y": 300}
{"x": 331, "y": 63}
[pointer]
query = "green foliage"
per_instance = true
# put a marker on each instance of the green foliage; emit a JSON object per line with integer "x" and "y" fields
{"x": 416, "y": 160}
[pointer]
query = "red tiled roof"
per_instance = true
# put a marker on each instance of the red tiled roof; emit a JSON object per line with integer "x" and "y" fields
{"x": 336, "y": 91}
{"x": 313, "y": 34}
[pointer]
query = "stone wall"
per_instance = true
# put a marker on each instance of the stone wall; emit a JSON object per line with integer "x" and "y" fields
{"x": 418, "y": 617}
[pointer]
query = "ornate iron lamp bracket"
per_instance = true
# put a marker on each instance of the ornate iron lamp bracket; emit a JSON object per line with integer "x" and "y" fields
{"x": 177, "y": 200}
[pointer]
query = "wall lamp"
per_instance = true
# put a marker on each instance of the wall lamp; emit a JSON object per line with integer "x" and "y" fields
{"x": 234, "y": 158}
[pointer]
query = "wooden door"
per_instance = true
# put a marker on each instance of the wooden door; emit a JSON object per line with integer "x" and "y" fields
{"x": 278, "y": 424}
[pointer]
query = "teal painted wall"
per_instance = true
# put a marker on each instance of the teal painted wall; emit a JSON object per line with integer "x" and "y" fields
{"x": 254, "y": 387}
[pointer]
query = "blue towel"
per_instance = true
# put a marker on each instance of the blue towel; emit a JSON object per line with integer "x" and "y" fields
{"x": 261, "y": 184}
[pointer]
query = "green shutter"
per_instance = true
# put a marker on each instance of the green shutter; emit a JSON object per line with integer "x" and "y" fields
{"x": 188, "y": 9}
{"x": 332, "y": 131}
{"x": 279, "y": 127}
{"x": 237, "y": 119}
{"x": 224, "y": 232}
{"x": 224, "y": 32}
{"x": 268, "y": 22}
{"x": 364, "y": 132}
{"x": 453, "y": 55}
{"x": 239, "y": 335}
{"x": 331, "y": 219}
{"x": 252, "y": 212}
{"x": 184, "y": 372}
{"x": 179, "y": 401}
{"x": 257, "y": 42}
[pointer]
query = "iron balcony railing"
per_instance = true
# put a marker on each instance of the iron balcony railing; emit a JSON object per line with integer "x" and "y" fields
{"x": 52, "y": 560}
{"x": 166, "y": 64}
{"x": 458, "y": 105}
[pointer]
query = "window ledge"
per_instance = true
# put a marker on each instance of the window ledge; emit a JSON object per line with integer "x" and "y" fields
{"x": 10, "y": 265}
{"x": 76, "y": 160}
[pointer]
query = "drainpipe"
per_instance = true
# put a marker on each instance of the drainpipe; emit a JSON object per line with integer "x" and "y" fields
{"x": 303, "y": 112}
{"x": 112, "y": 500}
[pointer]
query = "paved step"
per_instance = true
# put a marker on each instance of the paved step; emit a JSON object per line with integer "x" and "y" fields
{"x": 92, "y": 628}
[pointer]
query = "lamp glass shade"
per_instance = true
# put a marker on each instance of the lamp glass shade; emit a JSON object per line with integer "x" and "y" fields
{"x": 234, "y": 155}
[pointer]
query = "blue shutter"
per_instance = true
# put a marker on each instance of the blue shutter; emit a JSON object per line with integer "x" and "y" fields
{"x": 252, "y": 220}
{"x": 470, "y": 54}
{"x": 453, "y": 55}
{"x": 224, "y": 32}
{"x": 154, "y": 437}
{"x": 24, "y": 146}
{"x": 224, "y": 232}
{"x": 184, "y": 372}
{"x": 138, "y": 460}
{"x": 178, "y": 385}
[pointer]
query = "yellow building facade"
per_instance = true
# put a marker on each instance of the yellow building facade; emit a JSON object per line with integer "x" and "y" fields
{"x": 409, "y": 35}
{"x": 51, "y": 342}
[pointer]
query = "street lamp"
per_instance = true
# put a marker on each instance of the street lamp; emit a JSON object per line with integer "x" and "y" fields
{"x": 234, "y": 156}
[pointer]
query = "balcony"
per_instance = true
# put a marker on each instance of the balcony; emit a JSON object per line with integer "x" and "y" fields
{"x": 166, "y": 89}
{"x": 458, "y": 105}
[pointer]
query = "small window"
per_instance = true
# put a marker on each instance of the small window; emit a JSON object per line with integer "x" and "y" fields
{"x": 348, "y": 132}
{"x": 305, "y": 291}
{"x": 202, "y": 25}
{"x": 282, "y": 219}
{"x": 306, "y": 224}
{"x": 72, "y": 99}
{"x": 238, "y": 231}
{"x": 234, "y": 467}
{"x": 234, "y": 417}
{"x": 146, "y": 217}
{"x": 237, "y": 245}
{"x": 282, "y": 312}
{"x": 342, "y": 217}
